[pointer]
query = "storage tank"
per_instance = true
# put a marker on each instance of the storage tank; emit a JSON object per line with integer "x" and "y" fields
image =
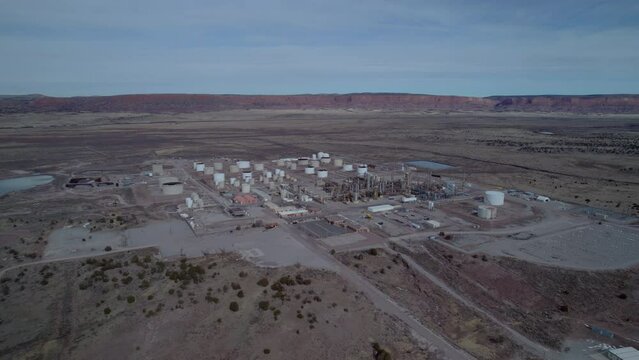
{"x": 172, "y": 188}
{"x": 232, "y": 181}
{"x": 258, "y": 166}
{"x": 218, "y": 178}
{"x": 234, "y": 169}
{"x": 247, "y": 176}
{"x": 322, "y": 173}
{"x": 199, "y": 167}
{"x": 314, "y": 157}
{"x": 282, "y": 173}
{"x": 189, "y": 202}
{"x": 302, "y": 161}
{"x": 315, "y": 163}
{"x": 281, "y": 162}
{"x": 325, "y": 160}
{"x": 347, "y": 167}
{"x": 338, "y": 163}
{"x": 167, "y": 179}
{"x": 208, "y": 170}
{"x": 243, "y": 164}
{"x": 486, "y": 212}
{"x": 362, "y": 170}
{"x": 309, "y": 170}
{"x": 268, "y": 174}
{"x": 218, "y": 166}
{"x": 495, "y": 198}
{"x": 157, "y": 169}
{"x": 293, "y": 166}
{"x": 277, "y": 172}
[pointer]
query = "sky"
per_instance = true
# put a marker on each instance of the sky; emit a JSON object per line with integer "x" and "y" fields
{"x": 448, "y": 47}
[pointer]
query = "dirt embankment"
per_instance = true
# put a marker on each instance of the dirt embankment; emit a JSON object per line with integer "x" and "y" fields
{"x": 546, "y": 303}
{"x": 372, "y": 101}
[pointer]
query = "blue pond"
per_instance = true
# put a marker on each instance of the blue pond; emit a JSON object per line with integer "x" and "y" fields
{"x": 430, "y": 165}
{"x": 23, "y": 183}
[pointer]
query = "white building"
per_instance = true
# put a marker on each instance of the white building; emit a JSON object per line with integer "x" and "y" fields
{"x": 380, "y": 208}
{"x": 409, "y": 199}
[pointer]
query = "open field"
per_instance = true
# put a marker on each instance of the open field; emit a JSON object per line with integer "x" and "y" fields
{"x": 442, "y": 282}
{"x": 588, "y": 159}
{"x": 134, "y": 305}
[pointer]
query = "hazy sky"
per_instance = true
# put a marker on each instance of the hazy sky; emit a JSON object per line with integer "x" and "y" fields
{"x": 460, "y": 47}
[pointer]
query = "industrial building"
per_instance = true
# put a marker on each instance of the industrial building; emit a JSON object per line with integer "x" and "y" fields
{"x": 380, "y": 208}
{"x": 245, "y": 199}
{"x": 625, "y": 353}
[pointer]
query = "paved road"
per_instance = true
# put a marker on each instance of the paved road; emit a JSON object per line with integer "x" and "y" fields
{"x": 388, "y": 305}
{"x": 513, "y": 334}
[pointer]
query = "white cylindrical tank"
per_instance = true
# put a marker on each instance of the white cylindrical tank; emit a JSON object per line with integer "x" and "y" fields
{"x": 172, "y": 188}
{"x": 314, "y": 157}
{"x": 199, "y": 167}
{"x": 232, "y": 181}
{"x": 277, "y": 172}
{"x": 282, "y": 173}
{"x": 258, "y": 166}
{"x": 309, "y": 170}
{"x": 218, "y": 178}
{"x": 495, "y": 198}
{"x": 486, "y": 212}
{"x": 347, "y": 167}
{"x": 243, "y": 164}
{"x": 218, "y": 166}
{"x": 302, "y": 161}
{"x": 322, "y": 173}
{"x": 268, "y": 174}
{"x": 281, "y": 162}
{"x": 189, "y": 202}
{"x": 315, "y": 163}
{"x": 325, "y": 160}
{"x": 234, "y": 169}
{"x": 362, "y": 170}
{"x": 247, "y": 176}
{"x": 338, "y": 162}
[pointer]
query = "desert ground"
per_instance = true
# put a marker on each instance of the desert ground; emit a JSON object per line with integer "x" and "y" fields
{"x": 128, "y": 272}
